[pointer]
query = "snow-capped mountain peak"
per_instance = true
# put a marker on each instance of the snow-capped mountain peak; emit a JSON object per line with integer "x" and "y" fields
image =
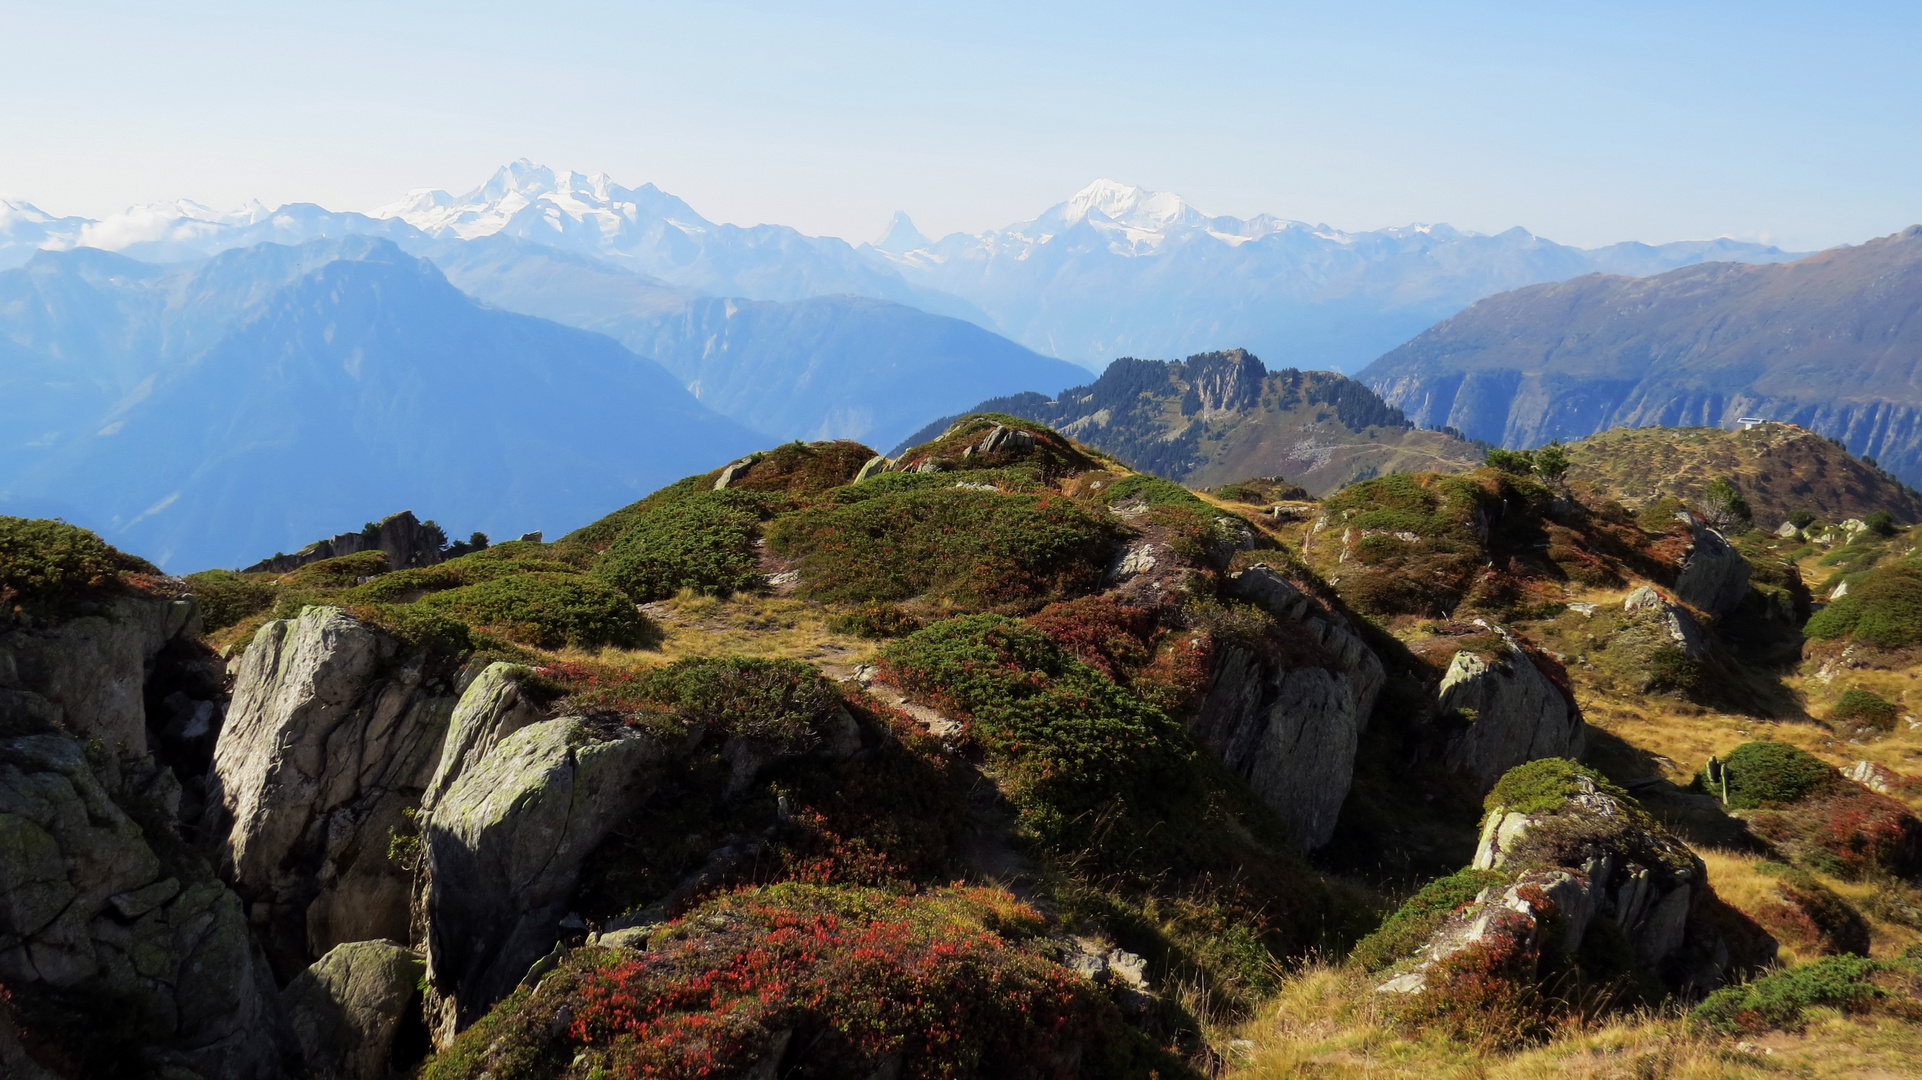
{"x": 900, "y": 236}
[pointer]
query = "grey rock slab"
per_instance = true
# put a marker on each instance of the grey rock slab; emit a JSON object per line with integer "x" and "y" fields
{"x": 1519, "y": 713}
{"x": 503, "y": 848}
{"x": 346, "y": 1008}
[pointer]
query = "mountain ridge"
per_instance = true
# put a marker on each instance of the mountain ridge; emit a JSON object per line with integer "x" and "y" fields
{"x": 1826, "y": 342}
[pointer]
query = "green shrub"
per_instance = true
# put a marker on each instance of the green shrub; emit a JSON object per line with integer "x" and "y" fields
{"x": 1776, "y": 1001}
{"x": 1723, "y": 506}
{"x": 483, "y": 566}
{"x": 1545, "y": 784}
{"x": 45, "y": 559}
{"x": 799, "y": 468}
{"x": 1151, "y": 491}
{"x": 1770, "y": 774}
{"x": 1869, "y": 708}
{"x": 1516, "y": 462}
{"x": 703, "y": 541}
{"x": 874, "y": 622}
{"x": 598, "y": 535}
{"x": 227, "y": 598}
{"x": 340, "y": 572}
{"x": 1881, "y": 522}
{"x": 418, "y": 629}
{"x": 1801, "y": 519}
{"x": 1883, "y": 609}
{"x": 546, "y": 610}
{"x": 1070, "y": 744}
{"x": 974, "y": 548}
{"x": 1261, "y": 490}
{"x": 782, "y": 701}
{"x": 1412, "y": 924}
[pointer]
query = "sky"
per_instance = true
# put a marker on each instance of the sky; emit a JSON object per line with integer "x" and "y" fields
{"x": 1588, "y": 123}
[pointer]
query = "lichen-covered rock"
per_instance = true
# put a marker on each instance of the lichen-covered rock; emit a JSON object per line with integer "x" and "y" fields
{"x": 94, "y": 667}
{"x": 502, "y": 850}
{"x": 87, "y": 907}
{"x": 346, "y": 1009}
{"x": 1515, "y": 712}
{"x": 492, "y": 707}
{"x": 1714, "y": 575}
{"x": 324, "y": 755}
{"x": 1645, "y": 606}
{"x": 1292, "y": 728}
{"x": 1575, "y": 854}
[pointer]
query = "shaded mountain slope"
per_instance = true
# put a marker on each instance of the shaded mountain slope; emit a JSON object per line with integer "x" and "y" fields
{"x": 360, "y": 385}
{"x": 1830, "y": 342}
{"x": 1221, "y": 417}
{"x": 824, "y": 367}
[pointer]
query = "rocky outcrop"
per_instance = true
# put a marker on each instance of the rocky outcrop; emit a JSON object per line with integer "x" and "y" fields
{"x": 93, "y": 667}
{"x": 88, "y": 908}
{"x": 502, "y": 847}
{"x": 1292, "y": 727}
{"x": 1514, "y": 712}
{"x": 491, "y": 708}
{"x": 401, "y": 537}
{"x": 1714, "y": 575}
{"x": 347, "y": 1009}
{"x": 1673, "y": 624}
{"x": 325, "y": 754}
{"x": 1577, "y": 854}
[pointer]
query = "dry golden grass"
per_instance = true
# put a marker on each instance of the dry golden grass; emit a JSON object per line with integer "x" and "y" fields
{"x": 693, "y": 626}
{"x": 1326, "y": 1023}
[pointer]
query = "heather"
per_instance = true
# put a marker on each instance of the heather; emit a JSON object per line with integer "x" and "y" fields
{"x": 975, "y": 549}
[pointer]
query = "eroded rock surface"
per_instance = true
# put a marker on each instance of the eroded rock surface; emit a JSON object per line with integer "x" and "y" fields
{"x": 1291, "y": 728}
{"x": 1515, "y": 712}
{"x": 324, "y": 754}
{"x": 94, "y": 667}
{"x": 502, "y": 848}
{"x": 1589, "y": 858}
{"x": 88, "y": 907}
{"x": 1714, "y": 575}
{"x": 348, "y": 1007}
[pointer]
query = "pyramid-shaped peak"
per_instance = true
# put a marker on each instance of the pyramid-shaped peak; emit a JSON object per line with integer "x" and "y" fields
{"x": 900, "y": 236}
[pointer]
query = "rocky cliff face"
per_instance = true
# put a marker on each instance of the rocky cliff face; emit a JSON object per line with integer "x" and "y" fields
{"x": 92, "y": 669}
{"x": 1292, "y": 728}
{"x": 1515, "y": 712}
{"x": 106, "y": 934}
{"x": 400, "y": 537}
{"x": 324, "y": 755}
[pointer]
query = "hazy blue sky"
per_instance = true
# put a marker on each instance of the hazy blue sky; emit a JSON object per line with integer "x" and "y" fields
{"x": 1585, "y": 122}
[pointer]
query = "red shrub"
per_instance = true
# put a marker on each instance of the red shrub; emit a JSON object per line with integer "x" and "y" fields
{"x": 855, "y": 977}
{"x": 1102, "y": 632}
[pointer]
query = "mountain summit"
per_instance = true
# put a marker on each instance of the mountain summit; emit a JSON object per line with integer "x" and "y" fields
{"x": 1120, "y": 270}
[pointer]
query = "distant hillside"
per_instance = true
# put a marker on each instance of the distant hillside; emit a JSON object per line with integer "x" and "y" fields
{"x": 1831, "y": 342}
{"x": 1223, "y": 416}
{"x": 212, "y": 414}
{"x": 824, "y": 367}
{"x": 1779, "y": 468}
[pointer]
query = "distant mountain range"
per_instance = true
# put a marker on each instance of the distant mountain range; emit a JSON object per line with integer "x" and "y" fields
{"x": 1121, "y": 271}
{"x": 1221, "y": 417}
{"x": 1113, "y": 271}
{"x": 213, "y": 413}
{"x": 1832, "y": 342}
